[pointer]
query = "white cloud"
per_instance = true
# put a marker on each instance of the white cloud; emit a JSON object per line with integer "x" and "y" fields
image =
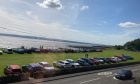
{"x": 129, "y": 25}
{"x": 56, "y": 4}
{"x": 84, "y": 8}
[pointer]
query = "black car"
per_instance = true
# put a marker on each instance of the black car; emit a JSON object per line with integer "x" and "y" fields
{"x": 32, "y": 68}
{"x": 82, "y": 62}
{"x": 88, "y": 61}
{"x": 29, "y": 51}
{"x": 128, "y": 57}
{"x": 108, "y": 60}
{"x": 124, "y": 74}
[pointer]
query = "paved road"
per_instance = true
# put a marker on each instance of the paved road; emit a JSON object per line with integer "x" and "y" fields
{"x": 101, "y": 77}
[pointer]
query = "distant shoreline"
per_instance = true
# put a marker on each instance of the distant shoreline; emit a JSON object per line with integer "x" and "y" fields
{"x": 13, "y": 41}
{"x": 42, "y": 38}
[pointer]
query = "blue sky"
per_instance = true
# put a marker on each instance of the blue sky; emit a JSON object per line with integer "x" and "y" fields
{"x": 111, "y": 22}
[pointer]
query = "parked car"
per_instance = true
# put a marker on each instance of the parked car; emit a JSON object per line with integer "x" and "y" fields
{"x": 49, "y": 69}
{"x": 115, "y": 59}
{"x": 32, "y": 68}
{"x": 95, "y": 61}
{"x": 19, "y": 51}
{"x": 121, "y": 57}
{"x": 29, "y": 51}
{"x": 82, "y": 62}
{"x": 12, "y": 70}
{"x": 37, "y": 51}
{"x": 108, "y": 60}
{"x": 62, "y": 64}
{"x": 1, "y": 52}
{"x": 124, "y": 74}
{"x": 88, "y": 61}
{"x": 101, "y": 61}
{"x": 8, "y": 50}
{"x": 104, "y": 60}
{"x": 128, "y": 57}
{"x": 73, "y": 64}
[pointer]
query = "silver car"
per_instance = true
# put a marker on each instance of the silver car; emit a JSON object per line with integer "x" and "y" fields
{"x": 73, "y": 64}
{"x": 62, "y": 64}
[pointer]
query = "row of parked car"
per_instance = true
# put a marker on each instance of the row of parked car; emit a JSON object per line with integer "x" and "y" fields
{"x": 69, "y": 63}
{"x": 32, "y": 68}
{"x": 23, "y": 50}
{"x": 49, "y": 70}
{"x": 17, "y": 50}
{"x": 29, "y": 50}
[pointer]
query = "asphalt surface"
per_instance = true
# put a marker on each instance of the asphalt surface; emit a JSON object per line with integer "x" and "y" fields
{"x": 100, "y": 77}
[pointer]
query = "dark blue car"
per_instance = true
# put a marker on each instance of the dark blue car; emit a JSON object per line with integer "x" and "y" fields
{"x": 124, "y": 74}
{"x": 19, "y": 51}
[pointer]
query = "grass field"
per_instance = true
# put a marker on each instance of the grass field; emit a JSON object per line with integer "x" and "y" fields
{"x": 21, "y": 59}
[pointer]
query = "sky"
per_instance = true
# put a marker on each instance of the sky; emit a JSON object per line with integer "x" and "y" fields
{"x": 110, "y": 22}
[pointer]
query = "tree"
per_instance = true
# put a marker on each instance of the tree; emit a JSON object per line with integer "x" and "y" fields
{"x": 119, "y": 47}
{"x": 133, "y": 45}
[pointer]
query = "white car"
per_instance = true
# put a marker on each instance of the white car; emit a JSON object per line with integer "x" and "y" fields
{"x": 115, "y": 59}
{"x": 73, "y": 64}
{"x": 50, "y": 70}
{"x": 8, "y": 50}
{"x": 62, "y": 64}
{"x": 1, "y": 52}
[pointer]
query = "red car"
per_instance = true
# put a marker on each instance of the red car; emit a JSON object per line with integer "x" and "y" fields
{"x": 12, "y": 70}
{"x": 95, "y": 61}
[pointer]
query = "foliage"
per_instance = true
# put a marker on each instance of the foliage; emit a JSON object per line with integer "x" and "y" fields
{"x": 133, "y": 45}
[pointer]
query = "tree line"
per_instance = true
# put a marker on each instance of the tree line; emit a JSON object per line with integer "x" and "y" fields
{"x": 131, "y": 45}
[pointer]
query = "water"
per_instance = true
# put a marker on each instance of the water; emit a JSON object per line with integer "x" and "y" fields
{"x": 14, "y": 42}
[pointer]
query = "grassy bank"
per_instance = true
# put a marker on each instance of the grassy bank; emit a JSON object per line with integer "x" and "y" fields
{"x": 22, "y": 59}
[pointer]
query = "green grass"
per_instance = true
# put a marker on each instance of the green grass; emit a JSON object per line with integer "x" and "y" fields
{"x": 21, "y": 59}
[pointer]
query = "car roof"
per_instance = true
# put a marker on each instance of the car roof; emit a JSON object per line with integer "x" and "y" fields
{"x": 35, "y": 65}
{"x": 14, "y": 66}
{"x": 8, "y": 48}
{"x": 44, "y": 62}
{"x": 70, "y": 59}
